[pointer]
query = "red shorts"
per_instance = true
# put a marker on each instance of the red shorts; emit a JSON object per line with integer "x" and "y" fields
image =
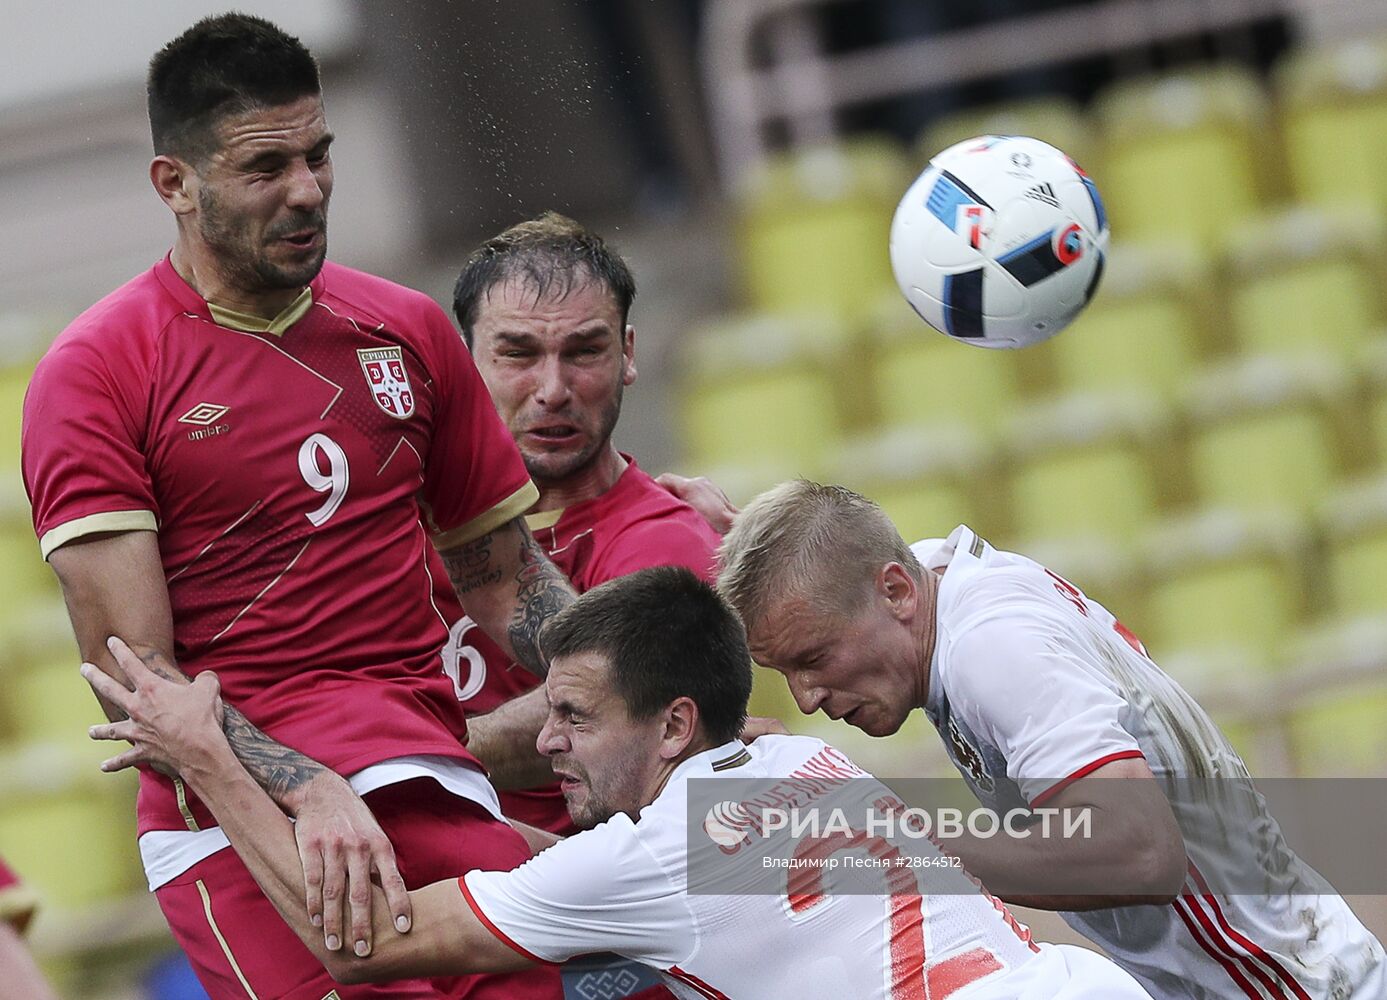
{"x": 240, "y": 948}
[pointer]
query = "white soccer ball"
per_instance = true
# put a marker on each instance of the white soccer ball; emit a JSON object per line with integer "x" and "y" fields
{"x": 1000, "y": 242}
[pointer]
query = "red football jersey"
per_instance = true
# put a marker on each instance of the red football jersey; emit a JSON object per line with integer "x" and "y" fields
{"x": 295, "y": 476}
{"x": 635, "y": 524}
{"x": 17, "y": 902}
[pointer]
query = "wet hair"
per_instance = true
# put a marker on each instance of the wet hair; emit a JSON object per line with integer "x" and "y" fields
{"x": 551, "y": 252}
{"x": 221, "y": 66}
{"x": 665, "y": 635}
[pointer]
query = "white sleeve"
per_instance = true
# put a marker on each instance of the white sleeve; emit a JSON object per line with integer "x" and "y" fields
{"x": 1033, "y": 688}
{"x": 599, "y": 890}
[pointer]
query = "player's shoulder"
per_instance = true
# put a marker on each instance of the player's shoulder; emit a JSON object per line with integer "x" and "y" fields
{"x": 120, "y": 330}
{"x": 646, "y": 525}
{"x": 369, "y": 297}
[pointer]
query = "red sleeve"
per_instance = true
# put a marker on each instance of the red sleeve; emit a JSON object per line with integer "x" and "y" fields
{"x": 474, "y": 478}
{"x": 665, "y": 542}
{"x": 84, "y": 470}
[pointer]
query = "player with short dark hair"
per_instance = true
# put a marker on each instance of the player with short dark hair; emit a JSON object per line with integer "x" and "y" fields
{"x": 545, "y": 306}
{"x": 548, "y": 254}
{"x": 623, "y": 884}
{"x": 288, "y": 473}
{"x": 632, "y": 628}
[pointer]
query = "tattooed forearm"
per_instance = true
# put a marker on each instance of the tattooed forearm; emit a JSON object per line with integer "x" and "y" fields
{"x": 282, "y": 772}
{"x": 541, "y": 590}
{"x": 469, "y": 565}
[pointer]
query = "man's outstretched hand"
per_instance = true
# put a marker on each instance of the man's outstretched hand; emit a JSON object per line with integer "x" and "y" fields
{"x": 171, "y": 726}
{"x": 178, "y": 728}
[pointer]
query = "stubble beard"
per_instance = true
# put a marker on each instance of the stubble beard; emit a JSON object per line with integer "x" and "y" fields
{"x": 246, "y": 264}
{"x": 545, "y": 473}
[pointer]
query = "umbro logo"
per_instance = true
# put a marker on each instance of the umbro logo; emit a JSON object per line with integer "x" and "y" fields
{"x": 204, "y": 414}
{"x": 206, "y": 419}
{"x": 1044, "y": 192}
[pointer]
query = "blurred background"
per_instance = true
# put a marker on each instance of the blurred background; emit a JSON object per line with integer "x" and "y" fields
{"x": 1205, "y": 451}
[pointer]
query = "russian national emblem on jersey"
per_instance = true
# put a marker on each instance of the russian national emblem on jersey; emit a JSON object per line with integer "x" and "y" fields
{"x": 385, "y": 372}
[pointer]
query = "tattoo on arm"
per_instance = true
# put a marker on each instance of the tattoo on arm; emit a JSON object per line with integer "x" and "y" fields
{"x": 541, "y": 591}
{"x": 469, "y": 565}
{"x": 275, "y": 767}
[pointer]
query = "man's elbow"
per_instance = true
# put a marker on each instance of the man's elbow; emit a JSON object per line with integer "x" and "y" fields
{"x": 1160, "y": 867}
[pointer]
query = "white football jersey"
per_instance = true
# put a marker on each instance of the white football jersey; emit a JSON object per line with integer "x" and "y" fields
{"x": 1033, "y": 686}
{"x": 622, "y": 887}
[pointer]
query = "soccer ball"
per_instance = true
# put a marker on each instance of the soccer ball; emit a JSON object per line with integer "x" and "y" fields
{"x": 1000, "y": 242}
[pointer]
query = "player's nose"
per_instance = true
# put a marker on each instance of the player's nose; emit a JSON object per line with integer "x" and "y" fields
{"x": 551, "y": 384}
{"x": 305, "y": 190}
{"x": 550, "y": 741}
{"x": 808, "y": 699}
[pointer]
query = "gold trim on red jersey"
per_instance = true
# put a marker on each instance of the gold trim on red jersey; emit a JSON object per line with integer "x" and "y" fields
{"x": 226, "y": 948}
{"x": 247, "y": 323}
{"x": 507, "y": 510}
{"x": 543, "y": 519}
{"x": 112, "y": 520}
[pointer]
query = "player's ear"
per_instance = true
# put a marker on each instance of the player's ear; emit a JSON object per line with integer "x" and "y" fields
{"x": 899, "y": 589}
{"x": 174, "y": 181}
{"x": 680, "y": 727}
{"x": 628, "y": 355}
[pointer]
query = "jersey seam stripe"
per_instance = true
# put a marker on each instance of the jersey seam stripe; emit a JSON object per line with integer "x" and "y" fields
{"x": 222, "y": 534}
{"x": 226, "y": 948}
{"x": 1228, "y": 967}
{"x": 275, "y": 347}
{"x": 689, "y": 979}
{"x": 1255, "y": 950}
{"x": 1084, "y": 772}
{"x": 499, "y": 934}
{"x": 1222, "y": 943}
{"x": 570, "y": 543}
{"x": 231, "y": 624}
{"x": 429, "y": 573}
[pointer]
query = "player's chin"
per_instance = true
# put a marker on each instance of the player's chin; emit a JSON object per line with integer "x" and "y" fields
{"x": 875, "y": 721}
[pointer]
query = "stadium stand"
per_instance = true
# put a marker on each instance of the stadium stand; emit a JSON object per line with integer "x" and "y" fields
{"x": 1334, "y": 115}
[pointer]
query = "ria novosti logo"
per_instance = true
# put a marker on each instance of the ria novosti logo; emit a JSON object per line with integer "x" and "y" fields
{"x": 727, "y": 823}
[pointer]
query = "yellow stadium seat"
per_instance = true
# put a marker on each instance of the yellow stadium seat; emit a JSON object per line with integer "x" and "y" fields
{"x": 1334, "y": 115}
{"x": 764, "y": 391}
{"x": 26, "y": 576}
{"x": 1337, "y": 729}
{"x": 813, "y": 227}
{"x": 1087, "y": 466}
{"x": 1372, "y": 364}
{"x": 920, "y": 376}
{"x": 69, "y": 828}
{"x": 1353, "y": 523}
{"x": 1143, "y": 331}
{"x": 928, "y": 480}
{"x": 1055, "y": 120}
{"x": 1306, "y": 281}
{"x": 1180, "y": 153}
{"x": 1224, "y": 580}
{"x": 14, "y": 380}
{"x": 1263, "y": 433}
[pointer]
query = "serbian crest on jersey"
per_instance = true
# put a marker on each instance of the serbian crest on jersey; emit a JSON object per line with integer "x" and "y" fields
{"x": 388, "y": 380}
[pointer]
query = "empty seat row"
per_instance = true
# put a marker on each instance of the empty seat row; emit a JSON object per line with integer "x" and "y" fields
{"x": 1187, "y": 157}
